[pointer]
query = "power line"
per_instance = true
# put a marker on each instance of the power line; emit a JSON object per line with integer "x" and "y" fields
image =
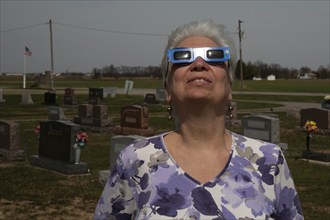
{"x": 110, "y": 31}
{"x": 21, "y": 28}
{"x": 287, "y": 18}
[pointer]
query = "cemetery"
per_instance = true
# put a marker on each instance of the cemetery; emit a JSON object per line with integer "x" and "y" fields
{"x": 58, "y": 146}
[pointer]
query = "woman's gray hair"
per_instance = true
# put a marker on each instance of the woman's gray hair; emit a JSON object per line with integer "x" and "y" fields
{"x": 205, "y": 28}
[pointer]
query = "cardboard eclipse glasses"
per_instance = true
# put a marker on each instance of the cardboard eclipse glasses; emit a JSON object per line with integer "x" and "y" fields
{"x": 188, "y": 55}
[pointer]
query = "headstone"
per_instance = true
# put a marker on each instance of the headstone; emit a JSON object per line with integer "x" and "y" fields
{"x": 117, "y": 143}
{"x": 1, "y": 96}
{"x": 26, "y": 99}
{"x": 9, "y": 141}
{"x": 320, "y": 115}
{"x": 160, "y": 94}
{"x": 85, "y": 111}
{"x": 129, "y": 84}
{"x": 150, "y": 99}
{"x": 93, "y": 117}
{"x": 69, "y": 97}
{"x": 110, "y": 90}
{"x": 134, "y": 116}
{"x": 100, "y": 111}
{"x": 50, "y": 98}
{"x": 261, "y": 127}
{"x": 56, "y": 113}
{"x": 56, "y": 140}
{"x": 134, "y": 121}
{"x": 325, "y": 103}
{"x": 95, "y": 96}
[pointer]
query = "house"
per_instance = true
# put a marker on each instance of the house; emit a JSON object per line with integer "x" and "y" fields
{"x": 271, "y": 77}
{"x": 307, "y": 76}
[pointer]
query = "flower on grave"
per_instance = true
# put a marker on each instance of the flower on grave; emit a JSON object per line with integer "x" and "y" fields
{"x": 310, "y": 127}
{"x": 81, "y": 140}
{"x": 37, "y": 131}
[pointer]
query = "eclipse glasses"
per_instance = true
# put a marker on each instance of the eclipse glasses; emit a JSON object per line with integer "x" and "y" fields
{"x": 188, "y": 55}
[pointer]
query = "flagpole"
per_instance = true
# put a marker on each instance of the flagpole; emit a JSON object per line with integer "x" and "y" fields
{"x": 24, "y": 74}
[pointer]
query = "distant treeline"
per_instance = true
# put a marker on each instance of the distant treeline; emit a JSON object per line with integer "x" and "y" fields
{"x": 250, "y": 70}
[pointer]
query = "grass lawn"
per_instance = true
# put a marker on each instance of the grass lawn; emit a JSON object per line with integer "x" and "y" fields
{"x": 32, "y": 193}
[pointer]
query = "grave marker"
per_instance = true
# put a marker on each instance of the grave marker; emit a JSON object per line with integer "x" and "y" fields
{"x": 69, "y": 98}
{"x": 26, "y": 99}
{"x": 56, "y": 140}
{"x": 261, "y": 127}
{"x": 50, "y": 98}
{"x": 117, "y": 143}
{"x": 110, "y": 90}
{"x": 56, "y": 113}
{"x": 150, "y": 98}
{"x": 9, "y": 141}
{"x": 160, "y": 94}
{"x": 134, "y": 116}
{"x": 128, "y": 86}
{"x": 320, "y": 115}
{"x": 1, "y": 96}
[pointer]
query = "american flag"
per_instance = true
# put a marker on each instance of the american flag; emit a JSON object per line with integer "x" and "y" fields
{"x": 27, "y": 52}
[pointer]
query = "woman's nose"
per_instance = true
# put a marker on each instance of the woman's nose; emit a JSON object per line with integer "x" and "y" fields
{"x": 199, "y": 64}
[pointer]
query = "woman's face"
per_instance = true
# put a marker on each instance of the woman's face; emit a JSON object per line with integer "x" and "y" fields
{"x": 199, "y": 80}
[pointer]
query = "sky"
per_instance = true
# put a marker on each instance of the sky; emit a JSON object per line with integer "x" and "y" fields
{"x": 94, "y": 34}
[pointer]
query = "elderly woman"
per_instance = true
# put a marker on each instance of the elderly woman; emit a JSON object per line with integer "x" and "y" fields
{"x": 200, "y": 170}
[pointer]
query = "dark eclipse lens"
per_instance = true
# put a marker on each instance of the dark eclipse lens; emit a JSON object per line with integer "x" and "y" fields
{"x": 182, "y": 55}
{"x": 215, "y": 54}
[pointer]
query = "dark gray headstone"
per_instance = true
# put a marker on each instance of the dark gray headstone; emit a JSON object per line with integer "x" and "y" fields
{"x": 9, "y": 141}
{"x": 56, "y": 140}
{"x": 50, "y": 98}
{"x": 95, "y": 96}
{"x": 150, "y": 98}
{"x": 320, "y": 115}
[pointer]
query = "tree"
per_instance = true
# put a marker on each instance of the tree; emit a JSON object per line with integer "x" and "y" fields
{"x": 323, "y": 72}
{"x": 96, "y": 73}
{"x": 305, "y": 69}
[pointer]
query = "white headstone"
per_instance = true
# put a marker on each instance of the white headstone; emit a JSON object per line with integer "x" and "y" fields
{"x": 160, "y": 94}
{"x": 109, "y": 90}
{"x": 128, "y": 86}
{"x": 56, "y": 113}
{"x": 26, "y": 99}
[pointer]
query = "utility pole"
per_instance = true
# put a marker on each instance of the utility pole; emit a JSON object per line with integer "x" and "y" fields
{"x": 240, "y": 52}
{"x": 51, "y": 55}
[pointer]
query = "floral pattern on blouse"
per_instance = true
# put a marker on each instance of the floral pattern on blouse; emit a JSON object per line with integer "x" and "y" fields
{"x": 147, "y": 183}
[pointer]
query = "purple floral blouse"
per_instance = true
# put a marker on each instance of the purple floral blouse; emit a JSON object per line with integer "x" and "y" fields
{"x": 147, "y": 183}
